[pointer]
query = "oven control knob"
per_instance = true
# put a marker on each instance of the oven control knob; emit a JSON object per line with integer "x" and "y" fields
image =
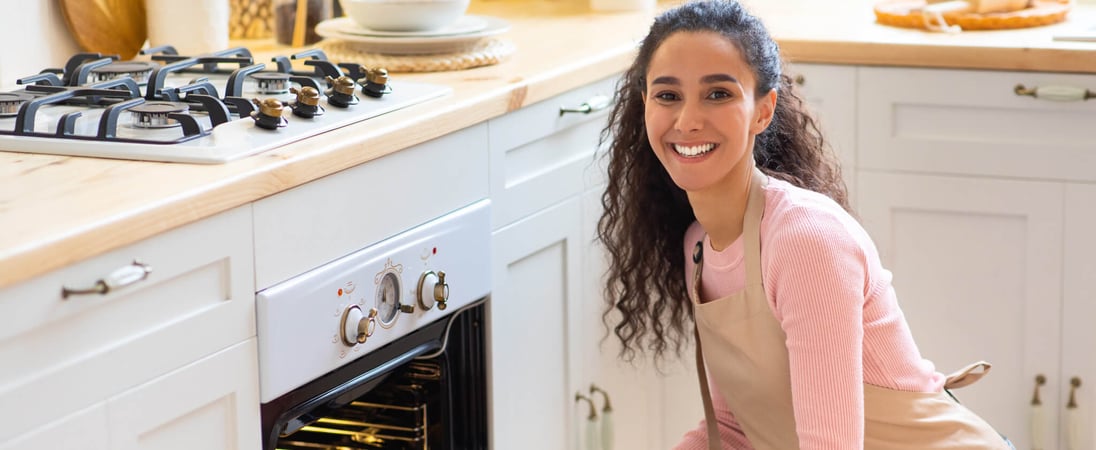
{"x": 358, "y": 326}
{"x": 433, "y": 290}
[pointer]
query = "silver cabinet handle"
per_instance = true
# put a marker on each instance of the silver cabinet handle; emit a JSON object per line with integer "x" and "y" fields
{"x": 117, "y": 279}
{"x": 1055, "y": 93}
{"x": 594, "y": 104}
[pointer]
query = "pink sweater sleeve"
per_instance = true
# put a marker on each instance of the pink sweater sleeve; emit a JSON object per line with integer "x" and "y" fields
{"x": 816, "y": 276}
{"x": 730, "y": 433}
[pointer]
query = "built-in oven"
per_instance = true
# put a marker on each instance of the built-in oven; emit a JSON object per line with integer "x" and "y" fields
{"x": 383, "y": 348}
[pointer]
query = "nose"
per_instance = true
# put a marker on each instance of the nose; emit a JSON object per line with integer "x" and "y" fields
{"x": 690, "y": 117}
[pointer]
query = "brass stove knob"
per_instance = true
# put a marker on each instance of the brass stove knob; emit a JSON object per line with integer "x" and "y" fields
{"x": 269, "y": 107}
{"x": 377, "y": 75}
{"x": 307, "y": 95}
{"x": 342, "y": 85}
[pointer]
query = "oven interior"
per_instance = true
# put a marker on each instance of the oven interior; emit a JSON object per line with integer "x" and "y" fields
{"x": 426, "y": 390}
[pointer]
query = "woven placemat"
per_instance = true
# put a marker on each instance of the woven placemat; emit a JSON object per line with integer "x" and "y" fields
{"x": 907, "y": 14}
{"x": 483, "y": 53}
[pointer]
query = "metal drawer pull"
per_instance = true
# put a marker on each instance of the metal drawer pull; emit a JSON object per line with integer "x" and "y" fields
{"x": 606, "y": 418}
{"x": 1038, "y": 419}
{"x": 1073, "y": 421}
{"x": 1055, "y": 93}
{"x": 591, "y": 437}
{"x": 117, "y": 279}
{"x": 594, "y": 104}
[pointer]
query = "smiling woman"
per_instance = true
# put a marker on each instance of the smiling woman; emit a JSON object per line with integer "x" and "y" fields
{"x": 725, "y": 206}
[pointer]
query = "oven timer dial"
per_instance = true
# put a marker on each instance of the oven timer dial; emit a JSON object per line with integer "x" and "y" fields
{"x": 433, "y": 290}
{"x": 357, "y": 326}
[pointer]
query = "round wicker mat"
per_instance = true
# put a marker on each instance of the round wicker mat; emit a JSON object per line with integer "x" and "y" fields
{"x": 484, "y": 53}
{"x": 907, "y": 13}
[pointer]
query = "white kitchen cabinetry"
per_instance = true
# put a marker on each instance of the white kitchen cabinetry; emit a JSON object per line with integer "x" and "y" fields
{"x": 980, "y": 201}
{"x": 69, "y": 363}
{"x": 546, "y": 302}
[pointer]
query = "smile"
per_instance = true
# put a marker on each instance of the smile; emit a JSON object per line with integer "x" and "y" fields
{"x": 693, "y": 150}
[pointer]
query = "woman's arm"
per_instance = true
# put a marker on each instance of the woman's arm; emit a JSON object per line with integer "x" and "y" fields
{"x": 730, "y": 433}
{"x": 816, "y": 277}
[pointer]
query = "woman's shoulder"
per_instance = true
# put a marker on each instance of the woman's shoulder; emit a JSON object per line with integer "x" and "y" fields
{"x": 794, "y": 213}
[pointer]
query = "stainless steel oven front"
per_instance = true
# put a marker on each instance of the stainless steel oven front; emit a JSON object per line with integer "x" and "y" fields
{"x": 383, "y": 348}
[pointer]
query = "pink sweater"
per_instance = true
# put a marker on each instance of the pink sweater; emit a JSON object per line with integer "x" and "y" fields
{"x": 834, "y": 300}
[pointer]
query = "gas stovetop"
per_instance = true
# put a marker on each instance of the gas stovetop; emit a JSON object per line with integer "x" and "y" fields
{"x": 210, "y": 108}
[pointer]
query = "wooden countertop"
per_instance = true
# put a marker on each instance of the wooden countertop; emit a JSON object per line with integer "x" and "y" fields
{"x": 56, "y": 210}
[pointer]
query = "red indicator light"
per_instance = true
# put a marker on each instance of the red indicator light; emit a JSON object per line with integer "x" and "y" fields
{"x": 340, "y": 292}
{"x": 435, "y": 250}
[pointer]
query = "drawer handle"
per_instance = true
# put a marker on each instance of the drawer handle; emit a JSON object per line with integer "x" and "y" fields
{"x": 1055, "y": 93}
{"x": 1073, "y": 421}
{"x": 117, "y": 279}
{"x": 594, "y": 104}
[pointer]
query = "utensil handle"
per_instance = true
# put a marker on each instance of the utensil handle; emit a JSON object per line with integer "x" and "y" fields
{"x": 606, "y": 430}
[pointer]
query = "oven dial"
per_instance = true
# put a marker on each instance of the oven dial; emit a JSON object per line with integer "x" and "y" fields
{"x": 389, "y": 302}
{"x": 433, "y": 289}
{"x": 357, "y": 326}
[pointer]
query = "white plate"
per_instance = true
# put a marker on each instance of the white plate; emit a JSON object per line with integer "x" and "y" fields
{"x": 414, "y": 44}
{"x": 464, "y": 25}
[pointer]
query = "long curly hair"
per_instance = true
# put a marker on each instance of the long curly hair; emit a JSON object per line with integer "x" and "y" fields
{"x": 646, "y": 215}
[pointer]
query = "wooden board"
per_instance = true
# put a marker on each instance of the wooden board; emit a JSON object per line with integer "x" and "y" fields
{"x": 115, "y": 27}
{"x": 907, "y": 13}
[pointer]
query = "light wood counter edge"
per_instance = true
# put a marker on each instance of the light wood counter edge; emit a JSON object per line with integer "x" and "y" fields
{"x": 280, "y": 169}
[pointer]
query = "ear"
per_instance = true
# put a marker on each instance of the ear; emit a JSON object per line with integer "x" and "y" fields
{"x": 764, "y": 109}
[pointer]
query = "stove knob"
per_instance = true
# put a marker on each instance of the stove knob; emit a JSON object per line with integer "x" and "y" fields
{"x": 357, "y": 326}
{"x": 433, "y": 289}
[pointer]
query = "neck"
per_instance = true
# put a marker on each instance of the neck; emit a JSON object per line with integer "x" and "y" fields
{"x": 721, "y": 208}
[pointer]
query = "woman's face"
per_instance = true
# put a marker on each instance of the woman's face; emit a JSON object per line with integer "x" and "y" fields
{"x": 700, "y": 110}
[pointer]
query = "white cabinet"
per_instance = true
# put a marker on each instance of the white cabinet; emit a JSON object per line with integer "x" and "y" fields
{"x": 67, "y": 358}
{"x": 977, "y": 268}
{"x": 532, "y": 309}
{"x": 546, "y": 302}
{"x": 980, "y": 201}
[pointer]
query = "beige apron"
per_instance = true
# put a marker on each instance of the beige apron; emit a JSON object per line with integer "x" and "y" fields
{"x": 744, "y": 347}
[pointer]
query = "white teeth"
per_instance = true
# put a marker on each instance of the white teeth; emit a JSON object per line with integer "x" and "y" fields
{"x": 694, "y": 150}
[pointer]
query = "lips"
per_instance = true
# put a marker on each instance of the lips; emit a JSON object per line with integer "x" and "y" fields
{"x": 691, "y": 151}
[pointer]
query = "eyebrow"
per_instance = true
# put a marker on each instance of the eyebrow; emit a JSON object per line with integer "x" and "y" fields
{"x": 707, "y": 79}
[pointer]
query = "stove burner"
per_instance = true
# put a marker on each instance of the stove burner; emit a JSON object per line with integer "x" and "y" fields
{"x": 155, "y": 114}
{"x": 139, "y": 71}
{"x": 11, "y": 101}
{"x": 271, "y": 83}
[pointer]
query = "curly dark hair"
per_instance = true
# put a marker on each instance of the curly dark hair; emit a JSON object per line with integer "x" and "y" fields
{"x": 646, "y": 215}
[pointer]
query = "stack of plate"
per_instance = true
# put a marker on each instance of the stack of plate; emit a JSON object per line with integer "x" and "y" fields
{"x": 461, "y": 36}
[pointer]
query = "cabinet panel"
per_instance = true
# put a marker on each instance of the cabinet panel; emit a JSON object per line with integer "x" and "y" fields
{"x": 629, "y": 386}
{"x": 213, "y": 403}
{"x": 83, "y": 430}
{"x": 64, "y": 354}
{"x": 1078, "y": 311}
{"x": 307, "y": 226}
{"x": 977, "y": 266}
{"x": 536, "y": 281}
{"x": 971, "y": 122}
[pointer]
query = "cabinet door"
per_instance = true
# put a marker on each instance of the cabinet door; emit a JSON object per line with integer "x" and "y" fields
{"x": 213, "y": 403}
{"x": 536, "y": 287}
{"x": 830, "y": 92}
{"x": 629, "y": 388}
{"x": 977, "y": 268}
{"x": 1079, "y": 309}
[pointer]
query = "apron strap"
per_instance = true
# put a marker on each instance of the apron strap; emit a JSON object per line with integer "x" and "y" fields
{"x": 967, "y": 375}
{"x": 714, "y": 441}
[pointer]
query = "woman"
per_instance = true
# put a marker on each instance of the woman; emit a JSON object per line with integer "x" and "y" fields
{"x": 801, "y": 332}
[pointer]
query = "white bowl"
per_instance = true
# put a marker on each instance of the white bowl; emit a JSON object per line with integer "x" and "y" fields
{"x": 404, "y": 15}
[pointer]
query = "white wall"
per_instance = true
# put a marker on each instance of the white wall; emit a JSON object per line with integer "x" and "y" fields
{"x": 34, "y": 37}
